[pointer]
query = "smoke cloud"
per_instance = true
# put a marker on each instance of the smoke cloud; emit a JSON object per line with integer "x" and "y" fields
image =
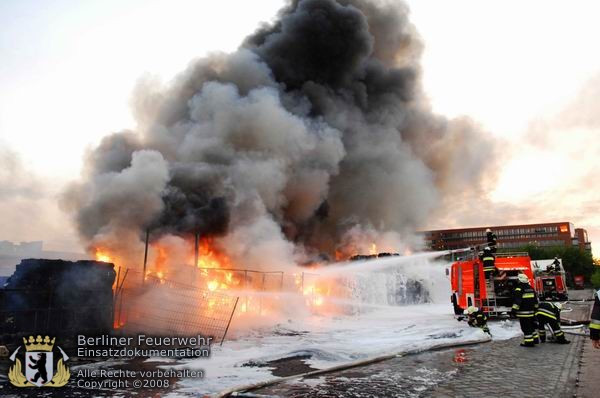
{"x": 315, "y": 129}
{"x": 28, "y": 208}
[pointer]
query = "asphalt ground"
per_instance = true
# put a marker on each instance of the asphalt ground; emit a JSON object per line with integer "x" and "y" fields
{"x": 499, "y": 368}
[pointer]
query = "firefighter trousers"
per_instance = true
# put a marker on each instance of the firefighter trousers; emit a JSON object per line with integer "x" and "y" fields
{"x": 554, "y": 325}
{"x": 528, "y": 328}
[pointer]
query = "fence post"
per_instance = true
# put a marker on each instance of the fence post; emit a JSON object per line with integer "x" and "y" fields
{"x": 120, "y": 298}
{"x": 246, "y": 287}
{"x": 230, "y": 318}
{"x": 196, "y": 248}
{"x": 145, "y": 256}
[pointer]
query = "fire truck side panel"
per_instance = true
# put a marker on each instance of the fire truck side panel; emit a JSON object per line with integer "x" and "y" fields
{"x": 463, "y": 282}
{"x": 470, "y": 286}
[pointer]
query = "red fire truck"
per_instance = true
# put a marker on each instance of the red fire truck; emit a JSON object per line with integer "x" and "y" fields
{"x": 578, "y": 281}
{"x": 550, "y": 281}
{"x": 493, "y": 296}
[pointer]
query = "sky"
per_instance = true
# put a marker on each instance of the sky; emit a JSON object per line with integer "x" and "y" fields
{"x": 527, "y": 71}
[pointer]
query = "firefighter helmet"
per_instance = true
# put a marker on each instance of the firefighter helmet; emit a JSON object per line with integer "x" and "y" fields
{"x": 487, "y": 231}
{"x": 523, "y": 278}
{"x": 472, "y": 309}
{"x": 558, "y": 305}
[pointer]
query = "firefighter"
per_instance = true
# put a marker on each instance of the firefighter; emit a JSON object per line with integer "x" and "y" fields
{"x": 492, "y": 240}
{"x": 525, "y": 304}
{"x": 454, "y": 299}
{"x": 554, "y": 267}
{"x": 595, "y": 322}
{"x": 478, "y": 319}
{"x": 489, "y": 262}
{"x": 549, "y": 314}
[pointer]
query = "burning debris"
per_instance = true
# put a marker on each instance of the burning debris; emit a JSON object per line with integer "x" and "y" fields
{"x": 314, "y": 137}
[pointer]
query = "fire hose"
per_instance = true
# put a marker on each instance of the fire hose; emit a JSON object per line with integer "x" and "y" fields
{"x": 231, "y": 391}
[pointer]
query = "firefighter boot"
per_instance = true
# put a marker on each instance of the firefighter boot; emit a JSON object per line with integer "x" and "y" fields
{"x": 562, "y": 340}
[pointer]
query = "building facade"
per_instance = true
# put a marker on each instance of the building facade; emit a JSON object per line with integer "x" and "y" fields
{"x": 510, "y": 236}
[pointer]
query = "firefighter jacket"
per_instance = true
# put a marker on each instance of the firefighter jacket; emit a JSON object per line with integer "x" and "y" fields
{"x": 477, "y": 319}
{"x": 489, "y": 262}
{"x": 492, "y": 240}
{"x": 595, "y": 321}
{"x": 525, "y": 301}
{"x": 548, "y": 310}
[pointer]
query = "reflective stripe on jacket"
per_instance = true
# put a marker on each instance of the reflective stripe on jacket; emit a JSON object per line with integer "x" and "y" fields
{"x": 525, "y": 300}
{"x": 549, "y": 310}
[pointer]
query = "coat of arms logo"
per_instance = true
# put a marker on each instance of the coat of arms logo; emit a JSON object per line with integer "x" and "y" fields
{"x": 39, "y": 365}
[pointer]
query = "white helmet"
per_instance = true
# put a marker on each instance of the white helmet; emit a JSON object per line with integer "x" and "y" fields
{"x": 472, "y": 309}
{"x": 558, "y": 305}
{"x": 487, "y": 231}
{"x": 523, "y": 278}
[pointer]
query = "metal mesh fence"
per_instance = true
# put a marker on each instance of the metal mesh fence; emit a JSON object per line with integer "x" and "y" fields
{"x": 172, "y": 308}
{"x": 25, "y": 311}
{"x": 204, "y": 304}
{"x": 253, "y": 287}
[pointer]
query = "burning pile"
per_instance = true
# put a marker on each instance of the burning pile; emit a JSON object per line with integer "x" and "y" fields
{"x": 312, "y": 140}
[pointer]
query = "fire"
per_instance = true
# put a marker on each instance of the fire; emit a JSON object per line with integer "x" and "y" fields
{"x": 373, "y": 250}
{"x": 161, "y": 259}
{"x": 315, "y": 294}
{"x": 215, "y": 268}
{"x": 215, "y": 273}
{"x": 213, "y": 285}
{"x": 210, "y": 257}
{"x": 102, "y": 255}
{"x": 156, "y": 276}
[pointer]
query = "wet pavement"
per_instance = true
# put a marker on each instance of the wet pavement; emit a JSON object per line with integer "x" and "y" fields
{"x": 499, "y": 368}
{"x": 589, "y": 377}
{"x": 575, "y": 312}
{"x": 583, "y": 294}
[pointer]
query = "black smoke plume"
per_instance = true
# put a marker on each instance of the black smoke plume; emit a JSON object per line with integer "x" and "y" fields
{"x": 313, "y": 134}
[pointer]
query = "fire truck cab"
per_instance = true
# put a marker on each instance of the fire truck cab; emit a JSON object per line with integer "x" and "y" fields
{"x": 493, "y": 296}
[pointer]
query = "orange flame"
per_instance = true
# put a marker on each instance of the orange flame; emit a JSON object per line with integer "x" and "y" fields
{"x": 211, "y": 257}
{"x": 216, "y": 267}
{"x": 373, "y": 249}
{"x": 103, "y": 255}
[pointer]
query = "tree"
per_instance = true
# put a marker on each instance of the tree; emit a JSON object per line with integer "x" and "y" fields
{"x": 574, "y": 260}
{"x": 595, "y": 279}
